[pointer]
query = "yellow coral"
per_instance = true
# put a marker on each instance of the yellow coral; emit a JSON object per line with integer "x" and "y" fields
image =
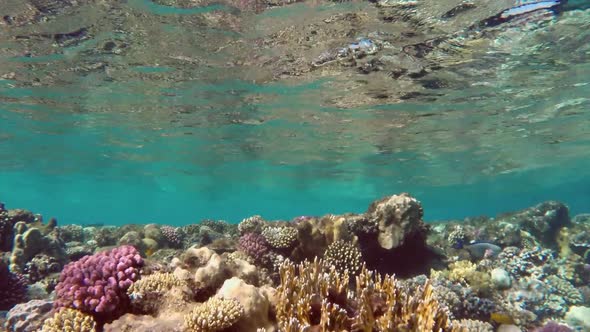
{"x": 312, "y": 296}
{"x": 214, "y": 315}
{"x": 69, "y": 320}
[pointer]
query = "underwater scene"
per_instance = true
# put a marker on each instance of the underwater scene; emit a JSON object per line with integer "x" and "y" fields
{"x": 294, "y": 165}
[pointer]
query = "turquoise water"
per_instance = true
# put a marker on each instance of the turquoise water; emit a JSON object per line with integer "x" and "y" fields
{"x": 160, "y": 128}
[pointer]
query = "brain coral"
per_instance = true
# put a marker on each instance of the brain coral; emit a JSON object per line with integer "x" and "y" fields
{"x": 98, "y": 284}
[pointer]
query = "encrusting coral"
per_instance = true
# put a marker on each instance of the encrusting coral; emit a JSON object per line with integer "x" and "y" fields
{"x": 69, "y": 320}
{"x": 313, "y": 297}
{"x": 214, "y": 315}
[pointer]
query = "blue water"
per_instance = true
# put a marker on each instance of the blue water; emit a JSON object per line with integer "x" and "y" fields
{"x": 148, "y": 146}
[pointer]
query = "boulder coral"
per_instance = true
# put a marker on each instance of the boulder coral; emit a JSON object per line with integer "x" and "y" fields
{"x": 254, "y": 302}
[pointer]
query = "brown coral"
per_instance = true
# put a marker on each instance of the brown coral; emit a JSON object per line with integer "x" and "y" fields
{"x": 214, "y": 315}
{"x": 69, "y": 320}
{"x": 315, "y": 297}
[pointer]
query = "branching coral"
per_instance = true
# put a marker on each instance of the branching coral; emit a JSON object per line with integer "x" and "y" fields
{"x": 214, "y": 315}
{"x": 98, "y": 284}
{"x": 317, "y": 298}
{"x": 69, "y": 320}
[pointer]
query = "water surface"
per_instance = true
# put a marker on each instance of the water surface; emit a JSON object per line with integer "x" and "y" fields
{"x": 175, "y": 111}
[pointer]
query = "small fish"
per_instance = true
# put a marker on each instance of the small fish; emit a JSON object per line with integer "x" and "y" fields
{"x": 501, "y": 318}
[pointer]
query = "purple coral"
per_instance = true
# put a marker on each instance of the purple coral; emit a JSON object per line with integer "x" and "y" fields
{"x": 13, "y": 288}
{"x": 553, "y": 327}
{"x": 97, "y": 284}
{"x": 173, "y": 235}
{"x": 254, "y": 245}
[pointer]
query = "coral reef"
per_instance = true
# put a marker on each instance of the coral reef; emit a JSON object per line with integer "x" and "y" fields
{"x": 514, "y": 272}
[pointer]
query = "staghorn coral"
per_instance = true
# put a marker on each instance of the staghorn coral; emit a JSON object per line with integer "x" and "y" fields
{"x": 69, "y": 320}
{"x": 314, "y": 297}
{"x": 280, "y": 237}
{"x": 98, "y": 284}
{"x": 344, "y": 256}
{"x": 214, "y": 315}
